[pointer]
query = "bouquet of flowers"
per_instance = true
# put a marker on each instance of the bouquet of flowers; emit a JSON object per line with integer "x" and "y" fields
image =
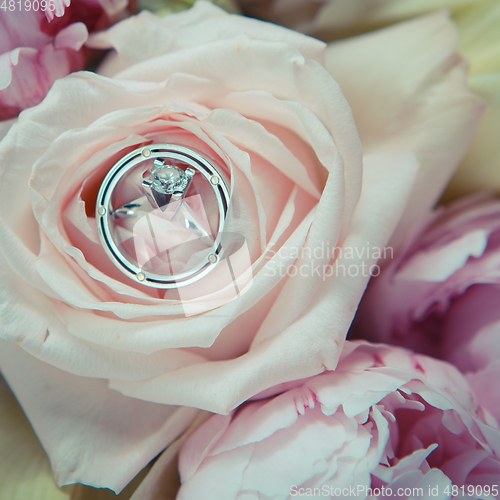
{"x": 249, "y": 250}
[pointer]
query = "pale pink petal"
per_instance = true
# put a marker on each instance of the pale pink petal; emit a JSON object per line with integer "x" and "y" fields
{"x": 442, "y": 296}
{"x": 413, "y": 99}
{"x": 114, "y": 437}
{"x": 481, "y": 382}
{"x": 182, "y": 30}
{"x": 21, "y": 28}
{"x": 440, "y": 264}
{"x": 72, "y": 37}
{"x": 432, "y": 484}
{"x": 52, "y": 341}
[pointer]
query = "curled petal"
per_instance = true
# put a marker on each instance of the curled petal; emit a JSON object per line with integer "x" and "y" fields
{"x": 28, "y": 74}
{"x": 57, "y": 8}
{"x": 72, "y": 37}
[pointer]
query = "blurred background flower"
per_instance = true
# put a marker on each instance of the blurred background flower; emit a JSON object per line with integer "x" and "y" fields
{"x": 479, "y": 43}
{"x": 384, "y": 418}
{"x": 164, "y": 7}
{"x": 36, "y": 49}
{"x": 441, "y": 298}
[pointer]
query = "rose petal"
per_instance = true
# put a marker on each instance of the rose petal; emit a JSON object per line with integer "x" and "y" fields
{"x": 317, "y": 335}
{"x": 425, "y": 106}
{"x": 25, "y": 470}
{"x": 115, "y": 436}
{"x": 164, "y": 477}
{"x": 182, "y": 30}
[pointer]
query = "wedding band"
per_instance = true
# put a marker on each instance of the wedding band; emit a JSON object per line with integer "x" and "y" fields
{"x": 170, "y": 170}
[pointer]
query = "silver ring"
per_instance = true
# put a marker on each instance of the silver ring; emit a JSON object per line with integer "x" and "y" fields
{"x": 163, "y": 190}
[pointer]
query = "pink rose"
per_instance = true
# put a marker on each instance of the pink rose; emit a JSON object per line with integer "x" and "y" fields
{"x": 37, "y": 48}
{"x": 97, "y": 360}
{"x": 385, "y": 419}
{"x": 441, "y": 298}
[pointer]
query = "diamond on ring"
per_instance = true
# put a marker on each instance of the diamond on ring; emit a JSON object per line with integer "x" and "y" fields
{"x": 167, "y": 183}
{"x": 167, "y": 179}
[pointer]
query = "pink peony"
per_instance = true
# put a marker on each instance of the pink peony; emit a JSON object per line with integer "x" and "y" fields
{"x": 107, "y": 370}
{"x": 37, "y": 48}
{"x": 442, "y": 297}
{"x": 386, "y": 419}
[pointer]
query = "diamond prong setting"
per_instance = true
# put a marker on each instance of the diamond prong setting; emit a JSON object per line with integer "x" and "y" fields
{"x": 167, "y": 179}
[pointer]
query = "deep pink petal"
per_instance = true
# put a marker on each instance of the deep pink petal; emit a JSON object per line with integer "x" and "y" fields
{"x": 30, "y": 73}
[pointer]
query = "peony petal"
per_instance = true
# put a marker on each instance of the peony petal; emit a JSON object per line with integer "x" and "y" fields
{"x": 480, "y": 382}
{"x": 440, "y": 264}
{"x": 72, "y": 37}
{"x": 383, "y": 444}
{"x": 415, "y": 100}
{"x": 28, "y": 74}
{"x": 432, "y": 485}
{"x": 115, "y": 436}
{"x": 21, "y": 28}
{"x": 57, "y": 9}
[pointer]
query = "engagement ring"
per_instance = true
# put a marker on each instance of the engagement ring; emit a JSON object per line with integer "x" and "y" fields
{"x": 160, "y": 213}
